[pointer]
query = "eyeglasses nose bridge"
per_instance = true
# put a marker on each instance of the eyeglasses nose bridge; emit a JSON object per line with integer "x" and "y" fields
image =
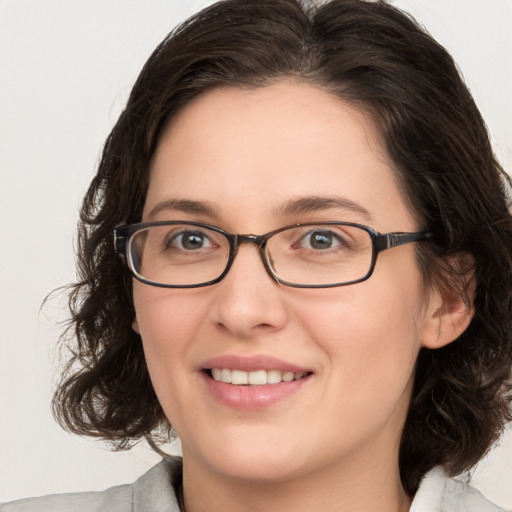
{"x": 260, "y": 241}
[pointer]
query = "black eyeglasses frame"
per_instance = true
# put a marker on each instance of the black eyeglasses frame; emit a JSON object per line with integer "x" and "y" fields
{"x": 380, "y": 243}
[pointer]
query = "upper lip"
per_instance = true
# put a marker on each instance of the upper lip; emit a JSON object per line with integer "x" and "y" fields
{"x": 252, "y": 363}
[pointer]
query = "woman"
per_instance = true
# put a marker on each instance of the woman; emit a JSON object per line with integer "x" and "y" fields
{"x": 358, "y": 357}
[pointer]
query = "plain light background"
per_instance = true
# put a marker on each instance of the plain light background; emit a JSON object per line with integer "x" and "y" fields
{"x": 66, "y": 68}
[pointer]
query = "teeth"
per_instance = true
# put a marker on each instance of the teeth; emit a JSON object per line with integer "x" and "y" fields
{"x": 274, "y": 376}
{"x": 239, "y": 377}
{"x": 256, "y": 378}
{"x": 288, "y": 376}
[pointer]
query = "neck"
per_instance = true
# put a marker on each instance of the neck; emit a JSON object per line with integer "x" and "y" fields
{"x": 376, "y": 488}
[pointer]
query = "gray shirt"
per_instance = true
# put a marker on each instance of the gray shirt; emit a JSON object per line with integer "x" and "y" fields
{"x": 155, "y": 491}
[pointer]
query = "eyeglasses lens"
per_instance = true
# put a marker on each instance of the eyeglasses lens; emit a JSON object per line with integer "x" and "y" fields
{"x": 189, "y": 255}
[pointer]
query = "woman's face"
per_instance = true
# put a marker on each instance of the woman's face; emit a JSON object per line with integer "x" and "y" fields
{"x": 242, "y": 159}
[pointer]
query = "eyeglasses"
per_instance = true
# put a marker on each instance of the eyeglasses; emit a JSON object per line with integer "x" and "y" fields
{"x": 180, "y": 254}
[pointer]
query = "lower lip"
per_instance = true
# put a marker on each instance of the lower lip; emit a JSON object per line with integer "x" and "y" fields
{"x": 251, "y": 398}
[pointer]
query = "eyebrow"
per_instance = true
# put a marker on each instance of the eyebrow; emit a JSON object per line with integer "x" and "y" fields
{"x": 308, "y": 204}
{"x": 311, "y": 204}
{"x": 186, "y": 206}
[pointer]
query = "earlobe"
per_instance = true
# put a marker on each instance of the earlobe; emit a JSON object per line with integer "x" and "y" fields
{"x": 135, "y": 326}
{"x": 449, "y": 313}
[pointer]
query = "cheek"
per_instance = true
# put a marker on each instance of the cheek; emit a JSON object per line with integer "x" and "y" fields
{"x": 368, "y": 342}
{"x": 166, "y": 322}
{"x": 163, "y": 317}
{"x": 370, "y": 333}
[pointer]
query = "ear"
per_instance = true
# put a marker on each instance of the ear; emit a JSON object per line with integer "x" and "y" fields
{"x": 451, "y": 306}
{"x": 135, "y": 326}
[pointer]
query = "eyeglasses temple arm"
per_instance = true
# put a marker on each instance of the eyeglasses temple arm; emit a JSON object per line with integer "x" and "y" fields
{"x": 120, "y": 240}
{"x": 390, "y": 240}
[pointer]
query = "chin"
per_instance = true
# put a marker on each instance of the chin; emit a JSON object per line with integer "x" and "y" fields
{"x": 260, "y": 470}
{"x": 254, "y": 458}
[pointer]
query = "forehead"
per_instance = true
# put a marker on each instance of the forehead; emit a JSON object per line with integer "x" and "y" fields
{"x": 256, "y": 149}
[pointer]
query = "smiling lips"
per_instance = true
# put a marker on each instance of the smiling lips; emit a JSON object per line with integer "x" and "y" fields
{"x": 253, "y": 383}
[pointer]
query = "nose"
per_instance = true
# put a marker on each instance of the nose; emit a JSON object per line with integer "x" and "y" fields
{"x": 249, "y": 302}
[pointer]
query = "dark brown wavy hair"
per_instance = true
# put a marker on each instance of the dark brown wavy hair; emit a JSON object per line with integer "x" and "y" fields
{"x": 381, "y": 61}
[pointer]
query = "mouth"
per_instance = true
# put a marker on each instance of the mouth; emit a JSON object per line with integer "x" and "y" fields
{"x": 253, "y": 383}
{"x": 254, "y": 378}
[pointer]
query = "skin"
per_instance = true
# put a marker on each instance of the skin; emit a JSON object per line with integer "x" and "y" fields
{"x": 333, "y": 445}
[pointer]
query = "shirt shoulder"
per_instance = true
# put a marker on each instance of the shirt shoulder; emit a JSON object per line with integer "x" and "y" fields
{"x": 152, "y": 492}
{"x": 440, "y": 493}
{"x": 116, "y": 499}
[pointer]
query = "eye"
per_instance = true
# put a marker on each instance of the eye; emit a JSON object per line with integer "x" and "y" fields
{"x": 320, "y": 240}
{"x": 190, "y": 241}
